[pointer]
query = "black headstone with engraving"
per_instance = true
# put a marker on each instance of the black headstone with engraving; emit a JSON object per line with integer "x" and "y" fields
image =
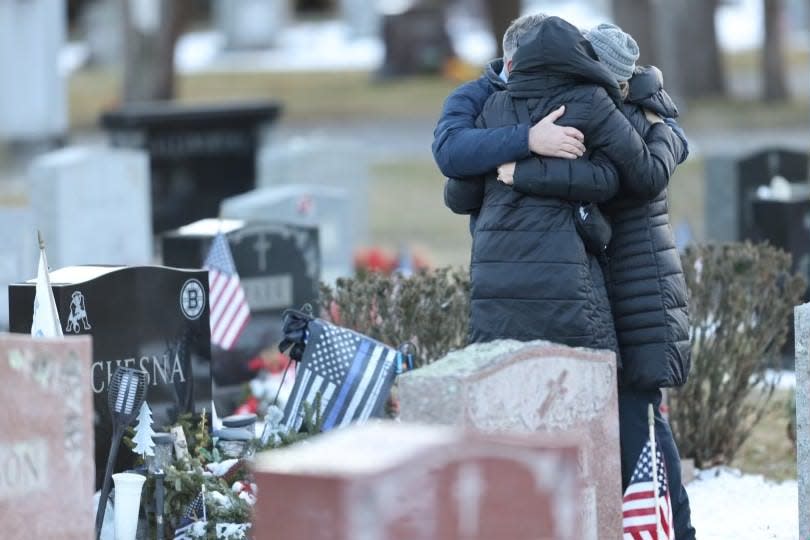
{"x": 278, "y": 266}
{"x": 198, "y": 154}
{"x": 731, "y": 185}
{"x": 151, "y": 318}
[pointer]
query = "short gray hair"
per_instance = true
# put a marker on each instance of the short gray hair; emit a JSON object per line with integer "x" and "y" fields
{"x": 517, "y": 30}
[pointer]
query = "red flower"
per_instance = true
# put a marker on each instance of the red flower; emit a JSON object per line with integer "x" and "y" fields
{"x": 251, "y": 405}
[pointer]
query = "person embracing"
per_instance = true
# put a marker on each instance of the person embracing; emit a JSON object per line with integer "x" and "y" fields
{"x": 534, "y": 274}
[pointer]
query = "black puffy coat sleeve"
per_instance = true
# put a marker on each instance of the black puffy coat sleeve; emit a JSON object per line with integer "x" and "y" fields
{"x": 644, "y": 166}
{"x": 592, "y": 179}
{"x": 464, "y": 196}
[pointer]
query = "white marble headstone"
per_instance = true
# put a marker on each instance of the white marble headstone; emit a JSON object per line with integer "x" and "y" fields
{"x": 33, "y": 103}
{"x": 93, "y": 206}
{"x": 324, "y": 161}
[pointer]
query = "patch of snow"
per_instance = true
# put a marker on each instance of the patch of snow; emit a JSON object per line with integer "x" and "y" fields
{"x": 727, "y": 504}
{"x": 329, "y": 45}
{"x": 303, "y": 46}
{"x": 785, "y": 379}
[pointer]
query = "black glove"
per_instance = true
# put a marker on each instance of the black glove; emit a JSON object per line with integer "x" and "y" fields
{"x": 678, "y": 130}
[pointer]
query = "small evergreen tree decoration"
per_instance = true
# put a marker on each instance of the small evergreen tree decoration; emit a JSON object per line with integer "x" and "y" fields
{"x": 143, "y": 433}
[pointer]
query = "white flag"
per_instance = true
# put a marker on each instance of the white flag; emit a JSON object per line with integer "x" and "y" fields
{"x": 46, "y": 319}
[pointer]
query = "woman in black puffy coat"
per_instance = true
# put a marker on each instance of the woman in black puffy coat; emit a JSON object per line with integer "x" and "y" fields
{"x": 646, "y": 284}
{"x": 531, "y": 275}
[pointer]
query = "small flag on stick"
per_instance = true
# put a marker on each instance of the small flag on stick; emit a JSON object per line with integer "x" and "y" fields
{"x": 229, "y": 308}
{"x": 646, "y": 508}
{"x": 195, "y": 513}
{"x": 45, "y": 322}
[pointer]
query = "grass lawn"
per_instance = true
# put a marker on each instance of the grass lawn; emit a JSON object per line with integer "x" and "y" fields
{"x": 407, "y": 205}
{"x": 768, "y": 450}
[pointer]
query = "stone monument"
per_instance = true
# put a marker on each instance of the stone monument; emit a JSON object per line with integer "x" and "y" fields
{"x": 389, "y": 481}
{"x": 46, "y": 447}
{"x": 802, "y": 321}
{"x": 92, "y": 205}
{"x": 149, "y": 318}
{"x": 536, "y": 387}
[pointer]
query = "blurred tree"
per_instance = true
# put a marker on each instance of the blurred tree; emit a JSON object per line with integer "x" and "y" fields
{"x": 152, "y": 28}
{"x": 695, "y": 67}
{"x": 773, "y": 61}
{"x": 702, "y": 73}
{"x": 636, "y": 17}
{"x": 501, "y": 15}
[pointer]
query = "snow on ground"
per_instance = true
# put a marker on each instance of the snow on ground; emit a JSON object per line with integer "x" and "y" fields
{"x": 728, "y": 505}
{"x": 329, "y": 45}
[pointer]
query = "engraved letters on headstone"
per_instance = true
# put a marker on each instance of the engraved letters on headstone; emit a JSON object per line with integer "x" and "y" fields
{"x": 152, "y": 319}
{"x": 46, "y": 460}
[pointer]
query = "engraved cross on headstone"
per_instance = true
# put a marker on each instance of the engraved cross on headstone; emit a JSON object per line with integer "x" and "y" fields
{"x": 262, "y": 246}
{"x": 556, "y": 388}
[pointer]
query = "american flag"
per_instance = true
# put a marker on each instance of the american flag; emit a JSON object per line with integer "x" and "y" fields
{"x": 195, "y": 512}
{"x": 352, "y": 373}
{"x": 641, "y": 519}
{"x": 229, "y": 308}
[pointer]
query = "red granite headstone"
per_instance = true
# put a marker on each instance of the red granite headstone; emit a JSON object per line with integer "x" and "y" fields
{"x": 536, "y": 387}
{"x": 46, "y": 438}
{"x": 389, "y": 481}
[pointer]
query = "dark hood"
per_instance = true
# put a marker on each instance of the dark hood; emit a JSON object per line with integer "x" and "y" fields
{"x": 493, "y": 74}
{"x": 647, "y": 90}
{"x": 554, "y": 55}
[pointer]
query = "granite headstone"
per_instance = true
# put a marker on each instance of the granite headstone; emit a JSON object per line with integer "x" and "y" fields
{"x": 198, "y": 154}
{"x": 802, "y": 348}
{"x": 33, "y": 100}
{"x": 278, "y": 266}
{"x": 46, "y": 447}
{"x": 92, "y": 206}
{"x": 322, "y": 160}
{"x": 328, "y": 208}
{"x": 731, "y": 184}
{"x": 534, "y": 387}
{"x": 151, "y": 318}
{"x": 389, "y": 481}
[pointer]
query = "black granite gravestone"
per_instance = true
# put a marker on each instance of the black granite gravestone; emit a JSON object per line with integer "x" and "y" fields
{"x": 151, "y": 318}
{"x": 731, "y": 185}
{"x": 278, "y": 265}
{"x": 198, "y": 155}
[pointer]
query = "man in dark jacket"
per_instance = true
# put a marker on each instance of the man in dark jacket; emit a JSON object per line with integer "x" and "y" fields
{"x": 460, "y": 152}
{"x": 633, "y": 404}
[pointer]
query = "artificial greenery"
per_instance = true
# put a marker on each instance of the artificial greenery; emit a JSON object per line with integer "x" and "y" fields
{"x": 185, "y": 477}
{"x": 740, "y": 300}
{"x": 429, "y": 309}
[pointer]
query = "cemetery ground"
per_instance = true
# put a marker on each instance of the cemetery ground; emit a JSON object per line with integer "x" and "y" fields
{"x": 394, "y": 122}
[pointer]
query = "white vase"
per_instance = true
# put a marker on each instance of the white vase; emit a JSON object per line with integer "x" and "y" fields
{"x": 128, "y": 488}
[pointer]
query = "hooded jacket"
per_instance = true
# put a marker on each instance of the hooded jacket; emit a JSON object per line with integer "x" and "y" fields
{"x": 645, "y": 278}
{"x": 531, "y": 276}
{"x": 460, "y": 151}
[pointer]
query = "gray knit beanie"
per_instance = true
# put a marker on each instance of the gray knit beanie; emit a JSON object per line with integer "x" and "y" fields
{"x": 615, "y": 48}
